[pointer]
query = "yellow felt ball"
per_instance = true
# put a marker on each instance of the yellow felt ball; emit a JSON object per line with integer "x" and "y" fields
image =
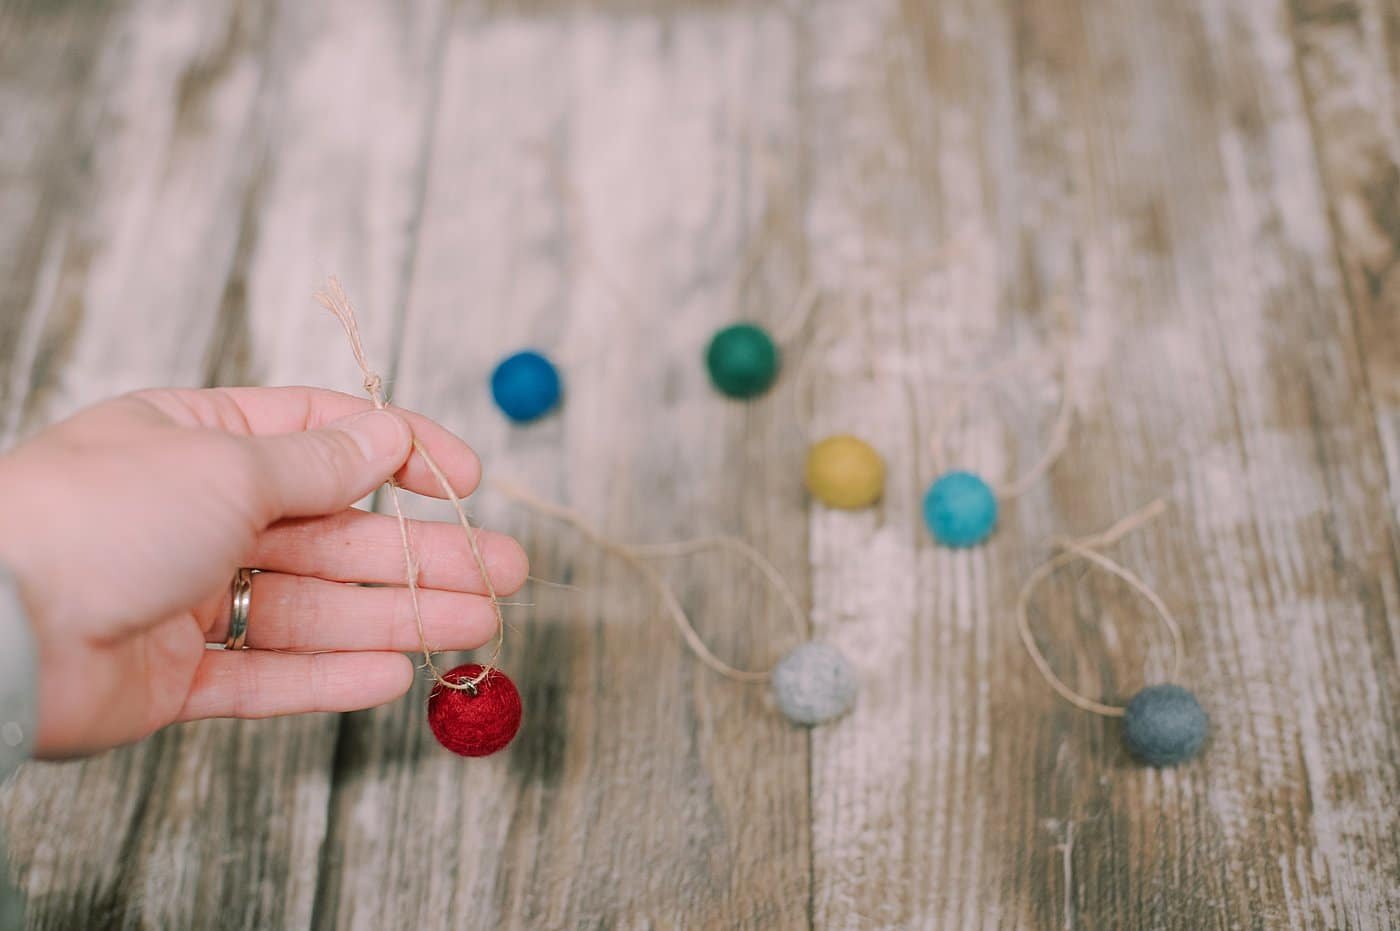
{"x": 845, "y": 472}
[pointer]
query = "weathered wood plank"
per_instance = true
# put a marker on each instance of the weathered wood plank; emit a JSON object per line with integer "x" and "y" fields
{"x": 1212, "y": 183}
{"x": 643, "y": 791}
{"x": 46, "y": 128}
{"x": 135, "y": 249}
{"x": 146, "y": 252}
{"x": 1349, "y": 55}
{"x": 924, "y": 806}
{"x": 1349, "y": 66}
{"x": 222, "y": 824}
{"x": 1315, "y": 476}
{"x": 1154, "y": 163}
{"x": 339, "y": 190}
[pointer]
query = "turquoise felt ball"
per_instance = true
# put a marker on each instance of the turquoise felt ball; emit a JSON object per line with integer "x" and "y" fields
{"x": 1164, "y": 725}
{"x": 526, "y": 386}
{"x": 743, "y": 360}
{"x": 960, "y": 509}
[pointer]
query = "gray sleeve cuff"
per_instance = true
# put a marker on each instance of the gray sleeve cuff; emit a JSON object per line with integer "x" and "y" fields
{"x": 18, "y": 714}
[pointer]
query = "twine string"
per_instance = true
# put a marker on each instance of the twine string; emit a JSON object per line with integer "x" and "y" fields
{"x": 636, "y": 554}
{"x": 745, "y": 550}
{"x": 803, "y": 377}
{"x": 1060, "y": 431}
{"x": 334, "y": 299}
{"x": 751, "y": 257}
{"x": 804, "y": 308}
{"x": 1087, "y": 548}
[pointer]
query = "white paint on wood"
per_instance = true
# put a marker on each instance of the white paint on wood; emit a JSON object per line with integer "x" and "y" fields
{"x": 321, "y": 176}
{"x": 167, "y": 188}
{"x": 667, "y": 786}
{"x": 1188, "y": 175}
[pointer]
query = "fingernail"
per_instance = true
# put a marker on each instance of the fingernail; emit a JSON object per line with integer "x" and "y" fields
{"x": 378, "y": 434}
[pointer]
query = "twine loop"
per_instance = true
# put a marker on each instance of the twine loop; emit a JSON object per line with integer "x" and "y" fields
{"x": 1087, "y": 548}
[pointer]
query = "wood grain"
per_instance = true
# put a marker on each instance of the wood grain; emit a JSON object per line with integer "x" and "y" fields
{"x": 1211, "y": 185}
{"x": 643, "y": 791}
{"x": 1349, "y": 63}
{"x": 1221, "y": 369}
{"x": 1216, "y": 339}
{"x": 46, "y": 62}
{"x": 222, "y": 824}
{"x": 128, "y": 264}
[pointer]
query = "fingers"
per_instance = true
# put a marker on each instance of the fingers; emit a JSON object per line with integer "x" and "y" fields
{"x": 257, "y": 684}
{"x": 356, "y": 546}
{"x": 326, "y": 470}
{"x": 298, "y": 614}
{"x": 273, "y": 411}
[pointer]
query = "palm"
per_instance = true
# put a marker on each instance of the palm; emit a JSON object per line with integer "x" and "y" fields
{"x": 141, "y": 682}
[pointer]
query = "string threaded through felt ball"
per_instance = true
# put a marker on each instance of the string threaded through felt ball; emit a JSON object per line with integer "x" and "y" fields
{"x": 844, "y": 471}
{"x": 814, "y": 683}
{"x": 526, "y": 386}
{"x": 1164, "y": 725}
{"x": 960, "y": 509}
{"x": 475, "y": 724}
{"x": 743, "y": 360}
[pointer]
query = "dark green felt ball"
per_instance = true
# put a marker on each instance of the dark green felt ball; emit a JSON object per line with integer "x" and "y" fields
{"x": 743, "y": 360}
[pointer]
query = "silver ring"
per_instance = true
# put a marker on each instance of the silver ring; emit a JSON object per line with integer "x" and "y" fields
{"x": 238, "y": 615}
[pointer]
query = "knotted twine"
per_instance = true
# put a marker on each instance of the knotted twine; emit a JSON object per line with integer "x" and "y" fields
{"x": 333, "y": 299}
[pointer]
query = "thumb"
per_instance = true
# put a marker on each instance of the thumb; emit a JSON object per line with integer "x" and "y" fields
{"x": 327, "y": 470}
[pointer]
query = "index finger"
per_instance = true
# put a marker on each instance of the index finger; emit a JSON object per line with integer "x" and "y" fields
{"x": 264, "y": 411}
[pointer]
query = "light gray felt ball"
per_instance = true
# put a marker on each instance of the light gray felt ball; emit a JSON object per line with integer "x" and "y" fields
{"x": 814, "y": 684}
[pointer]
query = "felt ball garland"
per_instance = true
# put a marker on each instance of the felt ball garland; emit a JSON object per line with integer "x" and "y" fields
{"x": 1163, "y": 724}
{"x": 478, "y": 721}
{"x": 526, "y": 386}
{"x": 475, "y": 710}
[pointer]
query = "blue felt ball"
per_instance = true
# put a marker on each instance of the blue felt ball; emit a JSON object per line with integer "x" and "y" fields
{"x": 1164, "y": 725}
{"x": 960, "y": 509}
{"x": 525, "y": 386}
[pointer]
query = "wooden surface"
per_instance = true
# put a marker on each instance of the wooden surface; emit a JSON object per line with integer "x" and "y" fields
{"x": 1215, "y": 188}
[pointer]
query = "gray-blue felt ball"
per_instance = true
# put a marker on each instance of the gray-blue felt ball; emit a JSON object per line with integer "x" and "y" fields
{"x": 814, "y": 683}
{"x": 1164, "y": 725}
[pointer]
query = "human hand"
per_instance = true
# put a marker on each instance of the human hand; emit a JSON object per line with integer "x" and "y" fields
{"x": 126, "y": 523}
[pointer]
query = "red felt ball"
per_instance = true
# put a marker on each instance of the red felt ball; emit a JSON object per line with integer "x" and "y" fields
{"x": 475, "y": 725}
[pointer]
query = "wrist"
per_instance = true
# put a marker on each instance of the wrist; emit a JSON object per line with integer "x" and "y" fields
{"x": 22, "y": 550}
{"x": 18, "y": 677}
